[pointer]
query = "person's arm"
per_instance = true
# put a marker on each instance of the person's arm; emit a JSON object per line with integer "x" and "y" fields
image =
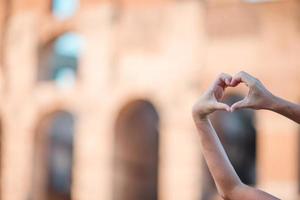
{"x": 228, "y": 183}
{"x": 285, "y": 108}
{"x": 260, "y": 98}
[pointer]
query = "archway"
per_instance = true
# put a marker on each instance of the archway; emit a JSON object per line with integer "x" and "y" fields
{"x": 136, "y": 152}
{"x": 53, "y": 157}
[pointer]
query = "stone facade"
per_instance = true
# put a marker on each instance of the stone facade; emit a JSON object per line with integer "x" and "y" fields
{"x": 166, "y": 52}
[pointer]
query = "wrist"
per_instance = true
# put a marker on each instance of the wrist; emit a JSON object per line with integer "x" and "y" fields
{"x": 200, "y": 118}
{"x": 274, "y": 104}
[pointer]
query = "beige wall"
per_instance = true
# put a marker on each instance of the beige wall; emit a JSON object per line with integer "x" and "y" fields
{"x": 167, "y": 53}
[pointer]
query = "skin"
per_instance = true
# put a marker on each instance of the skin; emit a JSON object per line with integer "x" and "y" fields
{"x": 228, "y": 183}
{"x": 260, "y": 98}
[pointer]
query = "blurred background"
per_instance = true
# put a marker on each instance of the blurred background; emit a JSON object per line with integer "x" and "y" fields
{"x": 96, "y": 96}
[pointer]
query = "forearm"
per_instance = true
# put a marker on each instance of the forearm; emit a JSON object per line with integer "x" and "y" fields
{"x": 285, "y": 108}
{"x": 215, "y": 156}
{"x": 227, "y": 181}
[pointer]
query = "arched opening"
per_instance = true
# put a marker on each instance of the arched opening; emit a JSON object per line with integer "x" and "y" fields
{"x": 59, "y": 60}
{"x": 53, "y": 158}
{"x": 238, "y": 135}
{"x": 136, "y": 152}
{"x": 65, "y": 9}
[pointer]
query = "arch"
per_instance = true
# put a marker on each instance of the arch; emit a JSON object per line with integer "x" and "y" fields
{"x": 53, "y": 157}
{"x": 59, "y": 60}
{"x": 136, "y": 152}
{"x": 237, "y": 133}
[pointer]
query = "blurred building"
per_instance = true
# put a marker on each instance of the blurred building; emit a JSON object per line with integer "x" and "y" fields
{"x": 96, "y": 96}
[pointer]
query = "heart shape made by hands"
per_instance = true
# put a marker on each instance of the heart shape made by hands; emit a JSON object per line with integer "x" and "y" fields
{"x": 258, "y": 97}
{"x": 235, "y": 101}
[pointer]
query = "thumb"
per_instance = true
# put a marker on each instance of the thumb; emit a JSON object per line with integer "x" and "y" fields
{"x": 222, "y": 106}
{"x": 239, "y": 105}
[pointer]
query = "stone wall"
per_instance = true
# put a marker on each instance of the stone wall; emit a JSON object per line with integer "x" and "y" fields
{"x": 166, "y": 52}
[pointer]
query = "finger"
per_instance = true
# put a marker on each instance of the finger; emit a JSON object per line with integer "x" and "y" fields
{"x": 226, "y": 78}
{"x": 235, "y": 81}
{"x": 223, "y": 80}
{"x": 222, "y": 106}
{"x": 238, "y": 105}
{"x": 242, "y": 77}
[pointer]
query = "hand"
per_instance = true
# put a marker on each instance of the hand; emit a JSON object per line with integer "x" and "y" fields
{"x": 209, "y": 101}
{"x": 258, "y": 96}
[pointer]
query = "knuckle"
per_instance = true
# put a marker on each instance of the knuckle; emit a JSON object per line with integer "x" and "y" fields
{"x": 221, "y": 74}
{"x": 255, "y": 82}
{"x": 251, "y": 84}
{"x": 224, "y": 76}
{"x": 195, "y": 108}
{"x": 240, "y": 74}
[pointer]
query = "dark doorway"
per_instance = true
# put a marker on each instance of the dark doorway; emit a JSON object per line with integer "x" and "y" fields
{"x": 53, "y": 158}
{"x": 136, "y": 152}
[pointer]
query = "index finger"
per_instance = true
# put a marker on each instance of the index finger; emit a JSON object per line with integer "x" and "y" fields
{"x": 223, "y": 80}
{"x": 242, "y": 77}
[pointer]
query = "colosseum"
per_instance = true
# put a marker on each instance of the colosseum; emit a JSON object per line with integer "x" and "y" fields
{"x": 96, "y": 96}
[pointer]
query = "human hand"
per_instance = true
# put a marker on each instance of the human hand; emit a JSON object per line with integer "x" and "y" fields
{"x": 258, "y": 96}
{"x": 209, "y": 101}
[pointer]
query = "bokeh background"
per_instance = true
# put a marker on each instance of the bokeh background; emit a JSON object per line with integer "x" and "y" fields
{"x": 96, "y": 96}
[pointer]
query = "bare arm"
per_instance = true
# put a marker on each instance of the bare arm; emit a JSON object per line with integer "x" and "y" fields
{"x": 217, "y": 161}
{"x": 260, "y": 98}
{"x": 286, "y": 108}
{"x": 228, "y": 183}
